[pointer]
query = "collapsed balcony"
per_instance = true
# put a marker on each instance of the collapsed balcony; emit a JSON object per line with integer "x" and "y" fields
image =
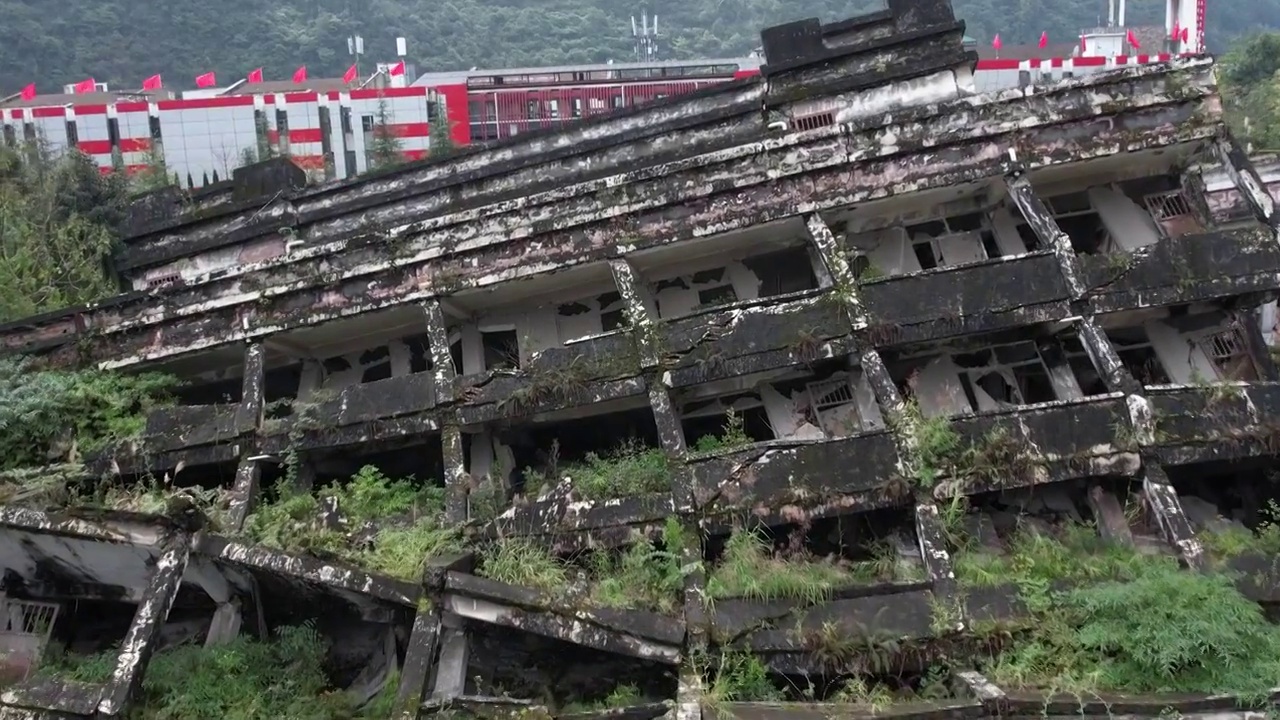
{"x": 95, "y": 595}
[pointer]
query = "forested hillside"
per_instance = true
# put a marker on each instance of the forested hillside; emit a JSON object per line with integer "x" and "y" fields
{"x": 123, "y": 41}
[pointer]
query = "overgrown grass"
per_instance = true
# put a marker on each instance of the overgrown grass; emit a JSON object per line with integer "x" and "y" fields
{"x": 1234, "y": 540}
{"x": 46, "y": 413}
{"x": 522, "y": 562}
{"x": 739, "y": 676}
{"x": 241, "y": 680}
{"x": 750, "y": 569}
{"x": 629, "y": 470}
{"x": 1162, "y": 629}
{"x": 642, "y": 577}
{"x": 622, "y": 696}
{"x": 1076, "y": 555}
{"x": 1105, "y": 617}
{"x": 408, "y": 517}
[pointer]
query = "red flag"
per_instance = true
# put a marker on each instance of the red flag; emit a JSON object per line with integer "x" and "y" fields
{"x": 1044, "y": 40}
{"x": 255, "y": 76}
{"x": 1132, "y": 39}
{"x": 996, "y": 43}
{"x": 349, "y": 76}
{"x": 300, "y": 75}
{"x": 206, "y": 80}
{"x": 85, "y": 86}
{"x": 1177, "y": 32}
{"x": 1084, "y": 45}
{"x": 1186, "y": 34}
{"x": 152, "y": 83}
{"x": 397, "y": 69}
{"x": 29, "y": 92}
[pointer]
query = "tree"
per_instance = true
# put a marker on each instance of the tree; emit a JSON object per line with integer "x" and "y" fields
{"x": 440, "y": 135}
{"x": 1251, "y": 90}
{"x": 385, "y": 149}
{"x": 59, "y": 218}
{"x": 156, "y": 173}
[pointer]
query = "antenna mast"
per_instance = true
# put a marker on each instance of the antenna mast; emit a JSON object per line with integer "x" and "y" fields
{"x": 645, "y": 37}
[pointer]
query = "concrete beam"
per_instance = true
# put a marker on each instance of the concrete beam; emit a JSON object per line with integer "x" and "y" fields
{"x": 140, "y": 641}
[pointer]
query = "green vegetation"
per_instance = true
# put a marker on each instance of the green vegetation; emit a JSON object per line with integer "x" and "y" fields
{"x": 385, "y": 147}
{"x": 408, "y": 520}
{"x": 940, "y": 452}
{"x": 440, "y": 133}
{"x": 48, "y": 414}
{"x": 750, "y": 569}
{"x": 58, "y": 222}
{"x": 625, "y": 695}
{"x": 739, "y": 676}
{"x": 242, "y": 680}
{"x": 1233, "y": 540}
{"x": 734, "y": 436}
{"x": 642, "y": 577}
{"x": 630, "y": 470}
{"x": 1109, "y": 618}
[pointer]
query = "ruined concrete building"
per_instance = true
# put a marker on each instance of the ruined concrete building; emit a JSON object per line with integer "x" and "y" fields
{"x": 837, "y": 301}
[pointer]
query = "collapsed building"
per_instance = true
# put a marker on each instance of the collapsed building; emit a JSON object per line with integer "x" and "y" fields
{"x": 833, "y": 301}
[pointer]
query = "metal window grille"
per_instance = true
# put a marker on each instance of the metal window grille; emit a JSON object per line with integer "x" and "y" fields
{"x": 25, "y": 627}
{"x": 1223, "y": 346}
{"x": 827, "y": 395}
{"x": 1167, "y": 205}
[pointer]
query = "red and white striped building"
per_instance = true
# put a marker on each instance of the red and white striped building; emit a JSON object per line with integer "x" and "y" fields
{"x": 328, "y": 127}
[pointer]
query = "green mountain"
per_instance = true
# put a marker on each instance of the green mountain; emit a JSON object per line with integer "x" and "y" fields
{"x": 123, "y": 41}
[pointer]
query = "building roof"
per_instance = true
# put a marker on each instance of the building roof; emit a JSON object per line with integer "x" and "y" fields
{"x": 453, "y": 76}
{"x": 288, "y": 86}
{"x": 1027, "y": 52}
{"x": 93, "y": 98}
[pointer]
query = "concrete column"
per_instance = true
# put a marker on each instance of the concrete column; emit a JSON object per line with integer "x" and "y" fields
{"x": 1113, "y": 526}
{"x": 245, "y": 493}
{"x": 249, "y": 413}
{"x": 670, "y": 429}
{"x": 1065, "y": 383}
{"x": 933, "y": 549}
{"x": 644, "y": 325}
{"x": 457, "y": 481}
{"x": 1046, "y": 229}
{"x": 441, "y": 359}
{"x": 140, "y": 641}
{"x": 225, "y": 625}
{"x": 1105, "y": 358}
{"x": 451, "y": 671}
{"x": 421, "y": 653}
{"x": 1194, "y": 191}
{"x": 1163, "y": 501}
{"x": 837, "y": 267}
{"x": 689, "y": 694}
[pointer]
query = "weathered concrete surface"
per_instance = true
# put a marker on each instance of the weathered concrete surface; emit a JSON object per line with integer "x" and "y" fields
{"x": 1222, "y": 421}
{"x": 938, "y": 146}
{"x": 51, "y": 698}
{"x": 970, "y": 299}
{"x": 791, "y": 481}
{"x": 637, "y": 633}
{"x": 568, "y": 524}
{"x": 1185, "y": 269}
{"x": 940, "y": 710}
